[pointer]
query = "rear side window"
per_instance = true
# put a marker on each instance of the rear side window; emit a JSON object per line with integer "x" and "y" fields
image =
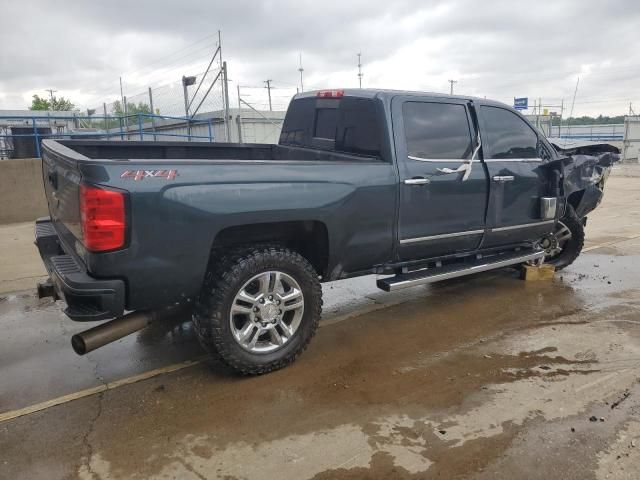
{"x": 509, "y": 136}
{"x": 346, "y": 125}
{"x": 437, "y": 130}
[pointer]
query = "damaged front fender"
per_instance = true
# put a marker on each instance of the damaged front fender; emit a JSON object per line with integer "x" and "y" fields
{"x": 584, "y": 168}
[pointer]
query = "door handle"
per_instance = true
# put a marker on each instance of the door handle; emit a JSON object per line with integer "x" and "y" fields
{"x": 504, "y": 178}
{"x": 417, "y": 181}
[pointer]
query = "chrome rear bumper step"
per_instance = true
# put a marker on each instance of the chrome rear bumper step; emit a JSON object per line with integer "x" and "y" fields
{"x": 446, "y": 272}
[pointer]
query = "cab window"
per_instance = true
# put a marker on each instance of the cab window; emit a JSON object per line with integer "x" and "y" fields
{"x": 437, "y": 130}
{"x": 508, "y": 135}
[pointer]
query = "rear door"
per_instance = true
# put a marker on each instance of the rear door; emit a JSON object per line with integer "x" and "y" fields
{"x": 439, "y": 213}
{"x": 512, "y": 154}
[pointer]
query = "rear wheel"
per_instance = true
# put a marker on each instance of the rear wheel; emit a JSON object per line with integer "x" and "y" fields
{"x": 564, "y": 245}
{"x": 259, "y": 308}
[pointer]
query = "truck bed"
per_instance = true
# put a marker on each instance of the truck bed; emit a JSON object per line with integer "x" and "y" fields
{"x": 187, "y": 151}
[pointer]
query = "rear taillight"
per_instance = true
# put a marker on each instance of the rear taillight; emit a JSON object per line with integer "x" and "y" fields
{"x": 102, "y": 214}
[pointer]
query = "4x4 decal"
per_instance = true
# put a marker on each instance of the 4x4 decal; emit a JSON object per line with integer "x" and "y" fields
{"x": 142, "y": 174}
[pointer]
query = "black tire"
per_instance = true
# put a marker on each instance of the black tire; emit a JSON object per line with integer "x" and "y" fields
{"x": 572, "y": 247}
{"x": 226, "y": 276}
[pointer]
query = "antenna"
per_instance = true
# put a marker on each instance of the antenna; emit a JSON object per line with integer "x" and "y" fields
{"x": 452, "y": 82}
{"x": 360, "y": 74}
{"x": 575, "y": 92}
{"x": 301, "y": 70}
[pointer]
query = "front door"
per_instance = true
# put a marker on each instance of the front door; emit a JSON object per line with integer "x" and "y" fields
{"x": 512, "y": 154}
{"x": 442, "y": 206}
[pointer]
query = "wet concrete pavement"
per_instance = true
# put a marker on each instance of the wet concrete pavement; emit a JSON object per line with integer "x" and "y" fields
{"x": 486, "y": 377}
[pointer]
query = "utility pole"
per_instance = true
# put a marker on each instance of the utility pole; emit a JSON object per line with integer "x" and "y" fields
{"x": 239, "y": 116}
{"x": 51, "y": 92}
{"x": 452, "y": 82}
{"x": 153, "y": 115}
{"x": 268, "y": 87}
{"x": 360, "y": 69}
{"x": 121, "y": 94}
{"x": 300, "y": 69}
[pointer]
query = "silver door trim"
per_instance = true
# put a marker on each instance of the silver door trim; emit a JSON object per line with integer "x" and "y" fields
{"x": 524, "y": 225}
{"x": 437, "y": 160}
{"x": 460, "y": 160}
{"x": 495, "y": 160}
{"x": 440, "y": 236}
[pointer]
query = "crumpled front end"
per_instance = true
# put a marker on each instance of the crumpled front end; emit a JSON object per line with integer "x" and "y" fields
{"x": 585, "y": 169}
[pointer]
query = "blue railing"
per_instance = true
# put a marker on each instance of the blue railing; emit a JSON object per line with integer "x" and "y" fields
{"x": 140, "y": 126}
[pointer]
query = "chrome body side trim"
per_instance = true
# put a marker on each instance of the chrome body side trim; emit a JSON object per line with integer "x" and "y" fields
{"x": 462, "y": 160}
{"x": 438, "y": 160}
{"x": 440, "y": 236}
{"x": 524, "y": 225}
{"x": 495, "y": 160}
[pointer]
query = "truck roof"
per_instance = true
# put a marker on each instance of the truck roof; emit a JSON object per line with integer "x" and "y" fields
{"x": 387, "y": 94}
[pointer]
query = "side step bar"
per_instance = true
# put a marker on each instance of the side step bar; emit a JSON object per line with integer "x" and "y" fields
{"x": 446, "y": 272}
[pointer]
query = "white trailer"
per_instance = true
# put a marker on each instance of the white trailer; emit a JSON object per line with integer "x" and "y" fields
{"x": 631, "y": 144}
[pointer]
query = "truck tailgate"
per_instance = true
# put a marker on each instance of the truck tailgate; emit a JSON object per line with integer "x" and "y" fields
{"x": 61, "y": 179}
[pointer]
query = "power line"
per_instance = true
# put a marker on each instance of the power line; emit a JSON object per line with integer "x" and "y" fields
{"x": 360, "y": 69}
{"x": 160, "y": 59}
{"x": 170, "y": 66}
{"x": 452, "y": 82}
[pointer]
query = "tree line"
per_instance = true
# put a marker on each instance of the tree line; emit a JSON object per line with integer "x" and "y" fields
{"x": 62, "y": 104}
{"x": 586, "y": 120}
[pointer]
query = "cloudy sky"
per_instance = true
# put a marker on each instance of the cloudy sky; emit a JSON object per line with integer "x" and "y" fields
{"x": 498, "y": 49}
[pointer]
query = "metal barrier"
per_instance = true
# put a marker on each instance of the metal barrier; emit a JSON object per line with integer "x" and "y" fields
{"x": 140, "y": 126}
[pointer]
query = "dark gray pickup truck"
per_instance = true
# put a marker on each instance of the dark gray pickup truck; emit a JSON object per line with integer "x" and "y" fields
{"x": 413, "y": 187}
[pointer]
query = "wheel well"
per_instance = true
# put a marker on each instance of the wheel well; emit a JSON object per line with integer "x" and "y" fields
{"x": 575, "y": 198}
{"x": 308, "y": 238}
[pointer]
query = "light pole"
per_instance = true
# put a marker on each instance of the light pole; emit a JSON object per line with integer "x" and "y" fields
{"x": 186, "y": 81}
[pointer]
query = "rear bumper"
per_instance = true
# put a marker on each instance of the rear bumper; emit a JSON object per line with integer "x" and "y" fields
{"x": 87, "y": 298}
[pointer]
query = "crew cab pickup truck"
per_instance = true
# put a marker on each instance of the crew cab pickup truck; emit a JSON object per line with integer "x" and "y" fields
{"x": 413, "y": 187}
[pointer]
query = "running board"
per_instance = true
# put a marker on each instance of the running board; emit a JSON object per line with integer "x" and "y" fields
{"x": 432, "y": 275}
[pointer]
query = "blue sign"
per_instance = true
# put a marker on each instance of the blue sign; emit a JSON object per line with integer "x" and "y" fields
{"x": 521, "y": 103}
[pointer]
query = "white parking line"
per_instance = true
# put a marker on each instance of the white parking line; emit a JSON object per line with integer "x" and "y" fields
{"x": 10, "y": 415}
{"x": 38, "y": 407}
{"x": 608, "y": 244}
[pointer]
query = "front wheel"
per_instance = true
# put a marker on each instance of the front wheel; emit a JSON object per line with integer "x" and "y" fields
{"x": 564, "y": 245}
{"x": 259, "y": 308}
